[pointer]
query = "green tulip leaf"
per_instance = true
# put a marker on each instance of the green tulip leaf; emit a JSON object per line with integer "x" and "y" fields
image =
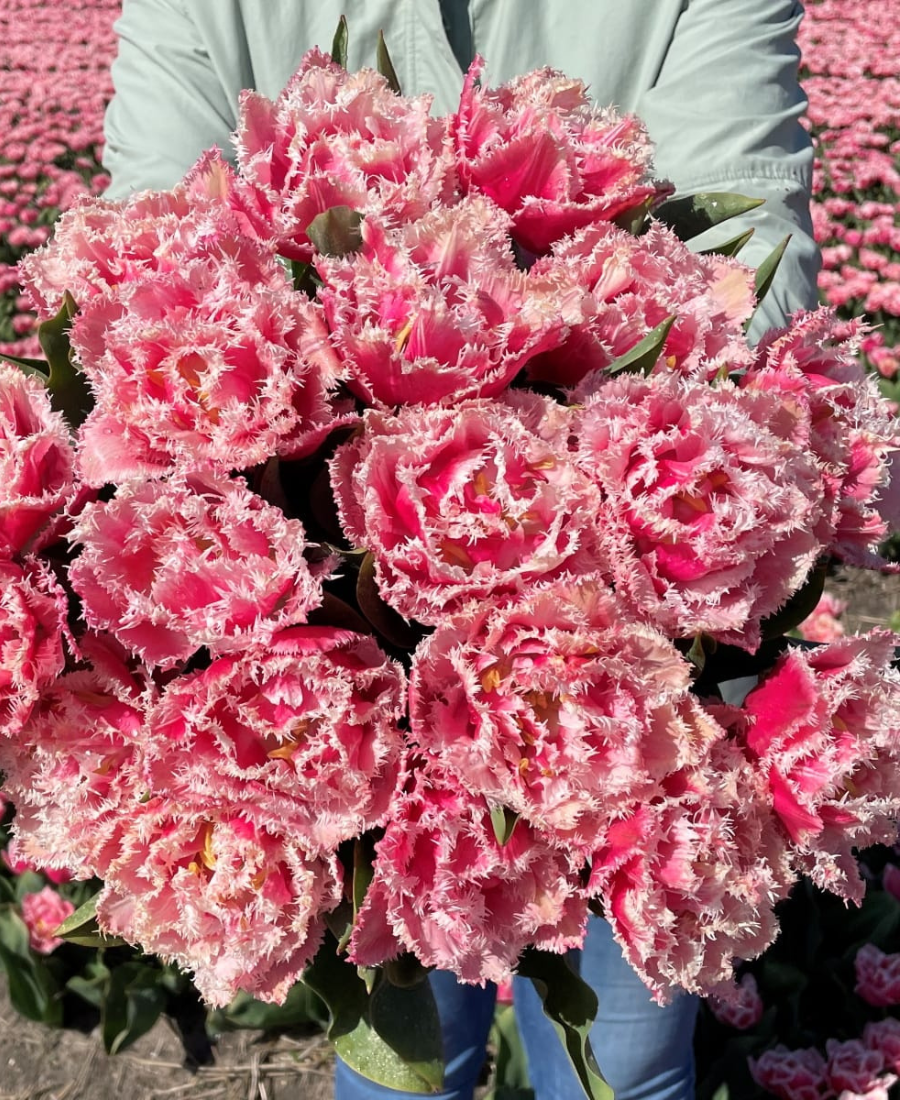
{"x": 384, "y": 64}
{"x": 339, "y": 43}
{"x": 571, "y": 1006}
{"x": 766, "y": 271}
{"x": 81, "y": 927}
{"x": 642, "y": 358}
{"x": 503, "y": 821}
{"x": 692, "y": 215}
{"x": 731, "y": 247}
{"x": 69, "y": 391}
{"x": 389, "y": 1035}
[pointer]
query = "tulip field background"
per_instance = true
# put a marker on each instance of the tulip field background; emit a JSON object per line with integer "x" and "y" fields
{"x": 836, "y": 1011}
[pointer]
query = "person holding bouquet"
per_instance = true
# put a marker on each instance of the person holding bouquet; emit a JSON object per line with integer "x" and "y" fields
{"x": 716, "y": 83}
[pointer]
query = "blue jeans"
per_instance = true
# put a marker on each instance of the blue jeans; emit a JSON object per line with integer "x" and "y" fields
{"x": 644, "y": 1051}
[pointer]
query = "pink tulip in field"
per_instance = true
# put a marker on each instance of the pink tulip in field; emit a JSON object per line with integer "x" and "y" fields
{"x": 857, "y": 1068}
{"x": 791, "y": 1074}
{"x": 884, "y": 1036}
{"x": 877, "y": 976}
{"x": 43, "y": 912}
{"x": 740, "y": 1006}
{"x": 824, "y": 624}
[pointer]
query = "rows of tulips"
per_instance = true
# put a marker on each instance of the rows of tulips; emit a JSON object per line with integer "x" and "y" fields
{"x": 54, "y": 84}
{"x": 851, "y": 78}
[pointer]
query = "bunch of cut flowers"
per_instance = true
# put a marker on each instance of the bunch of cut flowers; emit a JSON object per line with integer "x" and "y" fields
{"x": 376, "y": 543}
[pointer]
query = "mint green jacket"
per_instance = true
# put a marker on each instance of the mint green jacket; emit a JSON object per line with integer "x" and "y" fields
{"x": 714, "y": 80}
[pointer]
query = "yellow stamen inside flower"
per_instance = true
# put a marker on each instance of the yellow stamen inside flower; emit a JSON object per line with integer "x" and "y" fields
{"x": 206, "y": 853}
{"x": 259, "y": 879}
{"x": 491, "y": 679}
{"x": 105, "y": 767}
{"x": 482, "y": 484}
{"x": 671, "y": 360}
{"x": 286, "y": 750}
{"x": 524, "y": 765}
{"x": 402, "y": 337}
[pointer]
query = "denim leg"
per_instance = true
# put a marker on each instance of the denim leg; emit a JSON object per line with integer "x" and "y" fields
{"x": 466, "y": 1013}
{"x": 644, "y": 1051}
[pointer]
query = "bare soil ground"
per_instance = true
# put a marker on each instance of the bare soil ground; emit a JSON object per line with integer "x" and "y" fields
{"x": 872, "y": 598}
{"x": 37, "y": 1063}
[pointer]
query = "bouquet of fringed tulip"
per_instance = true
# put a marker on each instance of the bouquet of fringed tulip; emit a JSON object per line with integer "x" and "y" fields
{"x": 378, "y": 539}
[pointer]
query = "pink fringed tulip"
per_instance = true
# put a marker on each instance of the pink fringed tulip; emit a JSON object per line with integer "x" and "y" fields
{"x": 334, "y": 138}
{"x": 303, "y": 735}
{"x": 712, "y": 514}
{"x": 551, "y": 705}
{"x": 539, "y": 149}
{"x": 19, "y": 864}
{"x": 688, "y": 879}
{"x": 73, "y": 775}
{"x": 461, "y": 503}
{"x": 854, "y": 433}
{"x": 822, "y": 730}
{"x": 36, "y": 460}
{"x": 436, "y": 311}
{"x": 635, "y": 284}
{"x": 33, "y": 611}
{"x": 169, "y": 567}
{"x": 218, "y": 363}
{"x": 447, "y": 890}
{"x": 99, "y": 246}
{"x": 237, "y": 904}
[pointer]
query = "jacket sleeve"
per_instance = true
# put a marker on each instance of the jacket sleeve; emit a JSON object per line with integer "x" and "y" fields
{"x": 725, "y": 114}
{"x": 169, "y": 103}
